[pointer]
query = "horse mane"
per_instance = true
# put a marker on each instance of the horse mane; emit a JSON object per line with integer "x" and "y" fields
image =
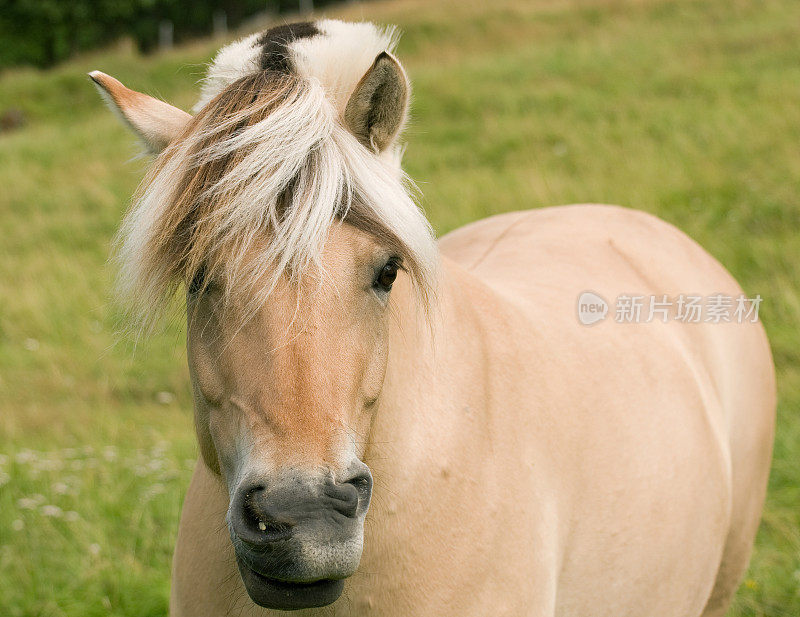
{"x": 262, "y": 172}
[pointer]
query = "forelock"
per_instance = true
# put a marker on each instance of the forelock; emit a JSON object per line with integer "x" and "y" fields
{"x": 251, "y": 190}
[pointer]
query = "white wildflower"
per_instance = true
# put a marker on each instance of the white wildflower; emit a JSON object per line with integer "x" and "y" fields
{"x": 156, "y": 489}
{"x": 4, "y": 478}
{"x": 49, "y": 465}
{"x": 31, "y": 344}
{"x": 52, "y": 511}
{"x": 27, "y": 503}
{"x": 60, "y": 488}
{"x": 71, "y": 516}
{"x": 17, "y": 524}
{"x": 25, "y": 456}
{"x": 94, "y": 549}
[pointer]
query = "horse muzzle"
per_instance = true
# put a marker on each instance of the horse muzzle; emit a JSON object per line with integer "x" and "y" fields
{"x": 297, "y": 537}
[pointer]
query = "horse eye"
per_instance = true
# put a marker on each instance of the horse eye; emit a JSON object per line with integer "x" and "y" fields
{"x": 198, "y": 281}
{"x": 387, "y": 276}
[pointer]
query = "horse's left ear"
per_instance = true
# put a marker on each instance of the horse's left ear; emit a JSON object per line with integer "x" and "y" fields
{"x": 377, "y": 108}
{"x": 155, "y": 122}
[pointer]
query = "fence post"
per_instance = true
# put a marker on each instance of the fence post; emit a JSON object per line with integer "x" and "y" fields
{"x": 166, "y": 31}
{"x": 220, "y": 23}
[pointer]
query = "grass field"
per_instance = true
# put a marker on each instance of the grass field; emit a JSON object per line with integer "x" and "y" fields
{"x": 687, "y": 109}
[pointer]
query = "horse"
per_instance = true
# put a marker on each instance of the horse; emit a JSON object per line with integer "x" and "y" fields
{"x": 394, "y": 426}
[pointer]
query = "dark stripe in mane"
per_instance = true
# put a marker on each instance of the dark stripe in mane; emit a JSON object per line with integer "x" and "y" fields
{"x": 275, "y": 44}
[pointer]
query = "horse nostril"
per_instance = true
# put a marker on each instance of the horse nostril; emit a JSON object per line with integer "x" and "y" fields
{"x": 255, "y": 523}
{"x": 345, "y": 499}
{"x": 363, "y": 484}
{"x": 350, "y": 495}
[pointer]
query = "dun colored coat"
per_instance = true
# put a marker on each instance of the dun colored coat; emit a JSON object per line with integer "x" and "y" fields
{"x": 397, "y": 428}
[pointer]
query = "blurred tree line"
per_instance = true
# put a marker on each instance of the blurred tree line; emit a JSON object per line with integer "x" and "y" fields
{"x": 44, "y": 32}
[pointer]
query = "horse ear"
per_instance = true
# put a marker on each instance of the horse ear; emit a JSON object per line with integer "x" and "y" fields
{"x": 154, "y": 122}
{"x": 377, "y": 108}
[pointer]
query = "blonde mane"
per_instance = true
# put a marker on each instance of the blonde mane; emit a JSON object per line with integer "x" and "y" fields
{"x": 265, "y": 168}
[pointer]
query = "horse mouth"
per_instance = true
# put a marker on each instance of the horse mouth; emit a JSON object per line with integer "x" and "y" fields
{"x": 289, "y": 596}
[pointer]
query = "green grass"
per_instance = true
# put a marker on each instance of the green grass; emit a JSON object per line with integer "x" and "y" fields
{"x": 687, "y": 109}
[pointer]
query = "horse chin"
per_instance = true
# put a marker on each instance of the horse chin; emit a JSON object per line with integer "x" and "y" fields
{"x": 288, "y": 596}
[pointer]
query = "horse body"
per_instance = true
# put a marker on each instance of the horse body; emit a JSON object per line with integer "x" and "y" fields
{"x": 526, "y": 464}
{"x": 514, "y": 462}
